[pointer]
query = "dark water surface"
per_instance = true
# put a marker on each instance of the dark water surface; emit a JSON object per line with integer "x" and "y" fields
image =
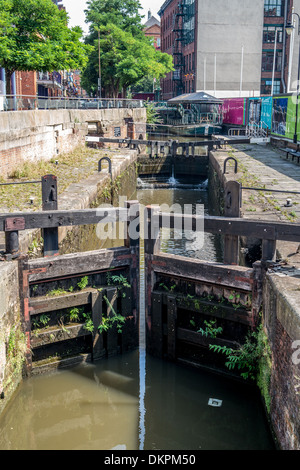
{"x": 136, "y": 401}
{"x": 97, "y": 406}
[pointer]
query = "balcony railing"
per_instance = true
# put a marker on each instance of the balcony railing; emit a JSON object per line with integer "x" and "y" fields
{"x": 47, "y": 79}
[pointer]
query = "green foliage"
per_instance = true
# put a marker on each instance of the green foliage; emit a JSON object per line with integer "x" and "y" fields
{"x": 117, "y": 279}
{"x": 55, "y": 292}
{"x": 82, "y": 284}
{"x": 74, "y": 314}
{"x": 112, "y": 319}
{"x": 88, "y": 325}
{"x": 44, "y": 319}
{"x": 253, "y": 359}
{"x": 35, "y": 36}
{"x": 127, "y": 55}
{"x": 244, "y": 359}
{"x": 123, "y": 13}
{"x": 152, "y": 115}
{"x": 15, "y": 354}
{"x": 211, "y": 330}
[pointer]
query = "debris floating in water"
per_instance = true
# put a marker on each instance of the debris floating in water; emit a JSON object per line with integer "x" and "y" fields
{"x": 215, "y": 402}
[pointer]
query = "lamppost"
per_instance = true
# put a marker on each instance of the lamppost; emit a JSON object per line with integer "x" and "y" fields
{"x": 99, "y": 58}
{"x": 289, "y": 29}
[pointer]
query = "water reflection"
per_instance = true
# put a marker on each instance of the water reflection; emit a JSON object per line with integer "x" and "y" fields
{"x": 188, "y": 243}
{"x": 94, "y": 407}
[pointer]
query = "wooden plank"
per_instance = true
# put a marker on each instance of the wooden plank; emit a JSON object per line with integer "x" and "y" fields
{"x": 112, "y": 333}
{"x": 44, "y": 304}
{"x": 201, "y": 143}
{"x": 98, "y": 347}
{"x": 55, "y": 335}
{"x": 78, "y": 264}
{"x": 156, "y": 338}
{"x": 200, "y": 340}
{"x": 66, "y": 218}
{"x": 219, "y": 225}
{"x": 236, "y": 277}
{"x": 172, "y": 326}
{"x": 235, "y": 226}
{"x": 236, "y": 315}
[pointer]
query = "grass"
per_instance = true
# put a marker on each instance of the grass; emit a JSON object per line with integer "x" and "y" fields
{"x": 72, "y": 167}
{"x": 263, "y": 198}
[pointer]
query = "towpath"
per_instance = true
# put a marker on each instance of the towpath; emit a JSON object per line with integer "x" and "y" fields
{"x": 265, "y": 167}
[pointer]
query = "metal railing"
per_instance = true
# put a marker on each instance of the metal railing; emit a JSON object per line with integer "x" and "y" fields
{"x": 29, "y": 102}
{"x": 257, "y": 130}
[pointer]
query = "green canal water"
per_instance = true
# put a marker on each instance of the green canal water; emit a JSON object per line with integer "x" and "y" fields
{"x": 135, "y": 401}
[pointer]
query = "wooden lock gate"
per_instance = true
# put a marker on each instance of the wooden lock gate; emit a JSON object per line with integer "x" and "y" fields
{"x": 180, "y": 293}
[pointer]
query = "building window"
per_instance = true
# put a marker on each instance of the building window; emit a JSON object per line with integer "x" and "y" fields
{"x": 267, "y": 61}
{"x": 274, "y": 7}
{"x": 269, "y": 34}
{"x": 266, "y": 87}
{"x": 158, "y": 42}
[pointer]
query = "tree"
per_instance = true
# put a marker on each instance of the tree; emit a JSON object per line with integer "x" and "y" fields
{"x": 34, "y": 36}
{"x": 127, "y": 55}
{"x": 121, "y": 13}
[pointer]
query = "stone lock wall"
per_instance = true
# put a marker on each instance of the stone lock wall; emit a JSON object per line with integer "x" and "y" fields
{"x": 282, "y": 322}
{"x": 40, "y": 134}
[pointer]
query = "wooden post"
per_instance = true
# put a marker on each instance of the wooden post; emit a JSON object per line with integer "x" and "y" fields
{"x": 132, "y": 241}
{"x": 156, "y": 338}
{"x": 187, "y": 150}
{"x": 12, "y": 226}
{"x": 49, "y": 202}
{"x": 151, "y": 230}
{"x": 151, "y": 247}
{"x": 232, "y": 208}
{"x": 172, "y": 330}
{"x": 112, "y": 333}
{"x": 257, "y": 292}
{"x": 96, "y": 304}
{"x": 193, "y": 150}
{"x": 132, "y": 227}
{"x": 268, "y": 250}
{"x": 174, "y": 149}
{"x": 24, "y": 293}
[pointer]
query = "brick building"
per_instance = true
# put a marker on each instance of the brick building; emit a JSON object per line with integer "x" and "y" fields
{"x": 229, "y": 51}
{"x": 33, "y": 83}
{"x": 152, "y": 29}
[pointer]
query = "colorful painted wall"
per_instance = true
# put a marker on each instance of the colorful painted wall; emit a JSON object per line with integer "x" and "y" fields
{"x": 234, "y": 111}
{"x": 276, "y": 113}
{"x": 283, "y": 117}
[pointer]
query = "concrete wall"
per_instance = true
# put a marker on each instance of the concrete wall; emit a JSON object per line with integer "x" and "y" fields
{"x": 224, "y": 27}
{"x": 35, "y": 135}
{"x": 282, "y": 322}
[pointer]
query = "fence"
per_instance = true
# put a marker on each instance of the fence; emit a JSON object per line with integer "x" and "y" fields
{"x": 23, "y": 102}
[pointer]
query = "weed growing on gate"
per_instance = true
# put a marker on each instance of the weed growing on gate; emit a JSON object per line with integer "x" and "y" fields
{"x": 114, "y": 317}
{"x": 253, "y": 359}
